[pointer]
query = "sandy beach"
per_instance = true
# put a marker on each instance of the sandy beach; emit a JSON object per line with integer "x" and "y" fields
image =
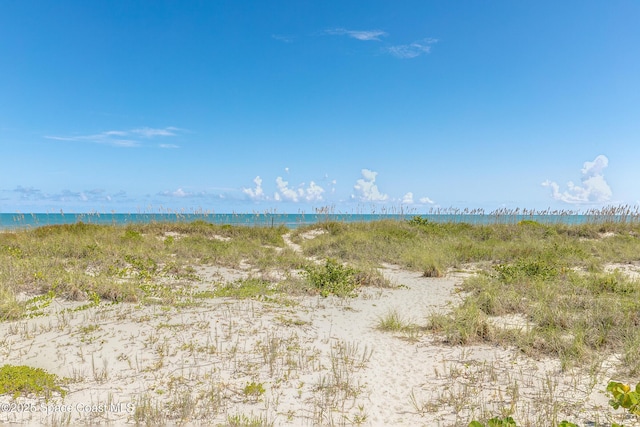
{"x": 294, "y": 360}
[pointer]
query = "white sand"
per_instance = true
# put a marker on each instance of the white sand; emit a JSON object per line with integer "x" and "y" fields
{"x": 319, "y": 360}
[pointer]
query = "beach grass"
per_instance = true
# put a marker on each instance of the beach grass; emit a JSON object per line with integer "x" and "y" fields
{"x": 564, "y": 289}
{"x": 552, "y": 275}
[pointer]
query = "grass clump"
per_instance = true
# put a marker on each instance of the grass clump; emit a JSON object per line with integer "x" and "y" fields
{"x": 433, "y": 270}
{"x": 10, "y": 308}
{"x": 467, "y": 324}
{"x": 242, "y": 420}
{"x": 25, "y": 380}
{"x": 393, "y": 322}
{"x": 253, "y": 390}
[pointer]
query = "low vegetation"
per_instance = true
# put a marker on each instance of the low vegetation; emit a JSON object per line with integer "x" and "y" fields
{"x": 622, "y": 396}
{"x": 27, "y": 381}
{"x": 566, "y": 284}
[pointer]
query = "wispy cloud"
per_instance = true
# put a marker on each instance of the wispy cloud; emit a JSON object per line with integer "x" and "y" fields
{"x": 150, "y": 132}
{"x": 282, "y": 38}
{"x": 180, "y": 193}
{"x": 366, "y": 188}
{"x": 123, "y": 138}
{"x": 28, "y": 192}
{"x": 412, "y": 50}
{"x": 593, "y": 188}
{"x": 100, "y": 138}
{"x": 94, "y": 195}
{"x": 359, "y": 35}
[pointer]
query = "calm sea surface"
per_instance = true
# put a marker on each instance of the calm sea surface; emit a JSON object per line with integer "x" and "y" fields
{"x": 22, "y": 221}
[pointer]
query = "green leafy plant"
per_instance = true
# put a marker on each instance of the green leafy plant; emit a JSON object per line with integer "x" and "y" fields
{"x": 25, "y": 380}
{"x": 624, "y": 397}
{"x": 495, "y": 422}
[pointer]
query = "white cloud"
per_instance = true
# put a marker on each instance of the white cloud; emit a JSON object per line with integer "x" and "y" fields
{"x": 408, "y": 199}
{"x": 359, "y": 35}
{"x": 255, "y": 193}
{"x": 426, "y": 200}
{"x": 367, "y": 190}
{"x": 312, "y": 193}
{"x": 595, "y": 168}
{"x": 415, "y": 49}
{"x": 284, "y": 192}
{"x": 123, "y": 138}
{"x": 593, "y": 188}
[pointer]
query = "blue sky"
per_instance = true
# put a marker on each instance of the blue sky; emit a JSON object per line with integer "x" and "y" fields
{"x": 230, "y": 106}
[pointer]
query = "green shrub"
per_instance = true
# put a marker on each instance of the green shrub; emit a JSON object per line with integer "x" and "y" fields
{"x": 418, "y": 220}
{"x": 132, "y": 235}
{"x": 525, "y": 268}
{"x": 333, "y": 278}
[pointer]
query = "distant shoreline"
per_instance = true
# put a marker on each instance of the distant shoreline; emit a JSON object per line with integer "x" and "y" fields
{"x": 13, "y": 221}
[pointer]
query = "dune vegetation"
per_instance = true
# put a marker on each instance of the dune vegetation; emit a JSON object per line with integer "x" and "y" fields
{"x": 572, "y": 289}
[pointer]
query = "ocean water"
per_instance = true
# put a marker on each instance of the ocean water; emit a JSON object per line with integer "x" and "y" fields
{"x": 9, "y": 221}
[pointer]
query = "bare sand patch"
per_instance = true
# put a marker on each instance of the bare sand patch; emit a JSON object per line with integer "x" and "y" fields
{"x": 632, "y": 271}
{"x": 312, "y": 234}
{"x": 511, "y": 321}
